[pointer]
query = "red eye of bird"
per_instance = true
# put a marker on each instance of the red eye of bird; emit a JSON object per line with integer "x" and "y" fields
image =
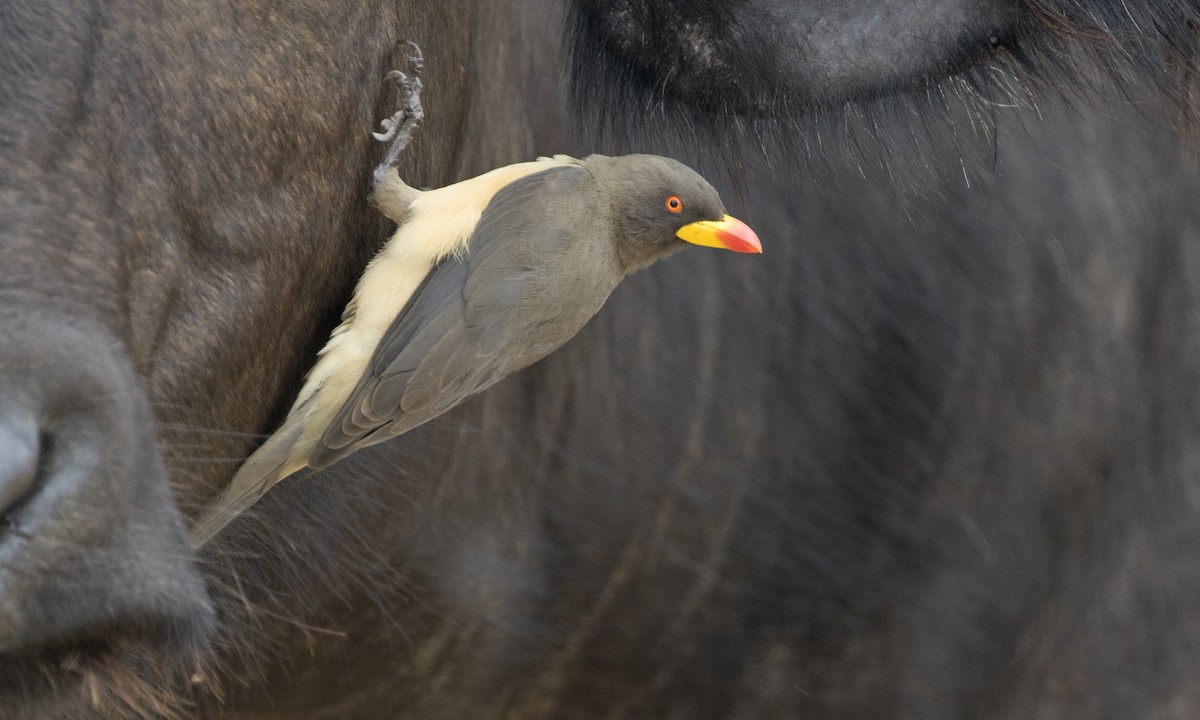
{"x": 674, "y": 204}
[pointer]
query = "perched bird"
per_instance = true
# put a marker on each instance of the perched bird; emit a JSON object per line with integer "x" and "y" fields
{"x": 481, "y": 279}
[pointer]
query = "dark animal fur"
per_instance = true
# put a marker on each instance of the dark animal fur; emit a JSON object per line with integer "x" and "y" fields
{"x": 638, "y": 87}
{"x": 933, "y": 457}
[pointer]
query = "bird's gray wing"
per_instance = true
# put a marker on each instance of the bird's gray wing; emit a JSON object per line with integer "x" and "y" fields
{"x": 472, "y": 322}
{"x": 265, "y": 467}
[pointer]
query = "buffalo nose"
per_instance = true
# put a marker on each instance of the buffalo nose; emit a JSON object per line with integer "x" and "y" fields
{"x": 18, "y": 460}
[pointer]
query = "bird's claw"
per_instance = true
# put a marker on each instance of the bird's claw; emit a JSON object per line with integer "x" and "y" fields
{"x": 390, "y": 127}
{"x": 416, "y": 58}
{"x": 400, "y": 126}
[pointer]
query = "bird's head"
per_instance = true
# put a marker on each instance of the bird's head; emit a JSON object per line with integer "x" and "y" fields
{"x": 660, "y": 204}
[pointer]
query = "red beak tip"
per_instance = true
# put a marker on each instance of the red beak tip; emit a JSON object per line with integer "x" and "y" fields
{"x": 742, "y": 238}
{"x": 743, "y": 244}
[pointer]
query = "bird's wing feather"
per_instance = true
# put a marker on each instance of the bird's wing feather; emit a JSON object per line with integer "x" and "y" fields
{"x": 454, "y": 338}
{"x": 265, "y": 467}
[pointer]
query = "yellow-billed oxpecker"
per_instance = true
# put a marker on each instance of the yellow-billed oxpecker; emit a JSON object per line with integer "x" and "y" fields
{"x": 481, "y": 279}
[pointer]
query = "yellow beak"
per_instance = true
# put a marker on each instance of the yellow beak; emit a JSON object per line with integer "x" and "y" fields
{"x": 728, "y": 233}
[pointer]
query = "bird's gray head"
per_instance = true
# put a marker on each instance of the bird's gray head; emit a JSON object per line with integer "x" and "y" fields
{"x": 659, "y": 203}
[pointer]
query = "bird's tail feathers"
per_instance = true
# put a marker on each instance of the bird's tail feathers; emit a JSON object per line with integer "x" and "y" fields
{"x": 265, "y": 467}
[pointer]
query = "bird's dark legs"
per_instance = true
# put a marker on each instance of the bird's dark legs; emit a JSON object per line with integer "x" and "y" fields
{"x": 400, "y": 126}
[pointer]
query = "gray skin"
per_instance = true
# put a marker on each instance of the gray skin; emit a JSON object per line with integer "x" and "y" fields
{"x": 548, "y": 251}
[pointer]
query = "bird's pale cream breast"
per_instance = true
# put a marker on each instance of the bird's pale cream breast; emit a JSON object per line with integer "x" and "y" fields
{"x": 440, "y": 223}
